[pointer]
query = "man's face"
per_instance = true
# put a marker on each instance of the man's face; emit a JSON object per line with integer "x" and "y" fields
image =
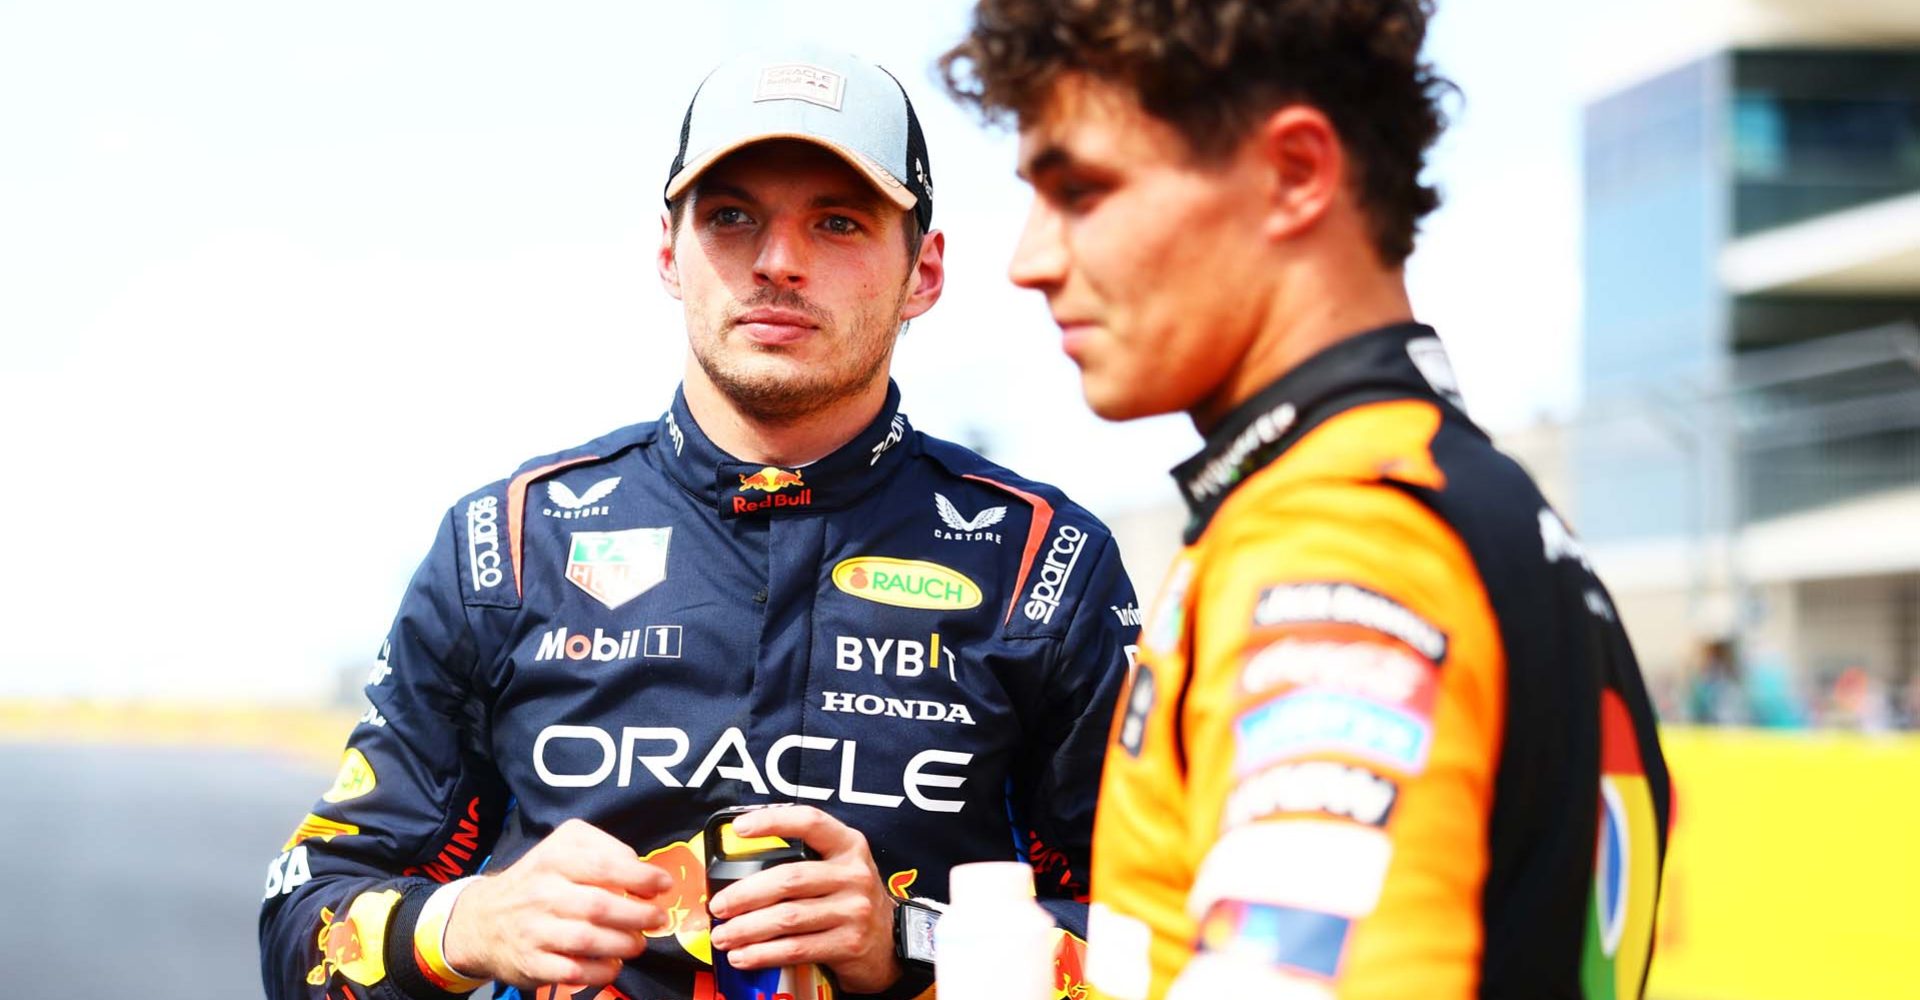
{"x": 795, "y": 278}
{"x": 1149, "y": 259}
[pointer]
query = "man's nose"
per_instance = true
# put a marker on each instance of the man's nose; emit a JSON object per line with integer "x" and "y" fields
{"x": 1040, "y": 258}
{"x": 782, "y": 261}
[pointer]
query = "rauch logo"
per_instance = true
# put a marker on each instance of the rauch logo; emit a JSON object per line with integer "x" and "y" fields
{"x": 906, "y": 583}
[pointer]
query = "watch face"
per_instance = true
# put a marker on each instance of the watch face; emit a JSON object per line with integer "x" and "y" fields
{"x": 916, "y": 932}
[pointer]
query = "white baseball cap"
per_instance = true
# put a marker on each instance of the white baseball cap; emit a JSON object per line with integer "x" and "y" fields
{"x": 845, "y": 104}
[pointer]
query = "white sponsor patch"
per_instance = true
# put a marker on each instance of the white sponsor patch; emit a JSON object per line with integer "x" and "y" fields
{"x": 1044, "y": 599}
{"x": 1117, "y": 948}
{"x": 801, "y": 82}
{"x": 1313, "y": 786}
{"x": 483, "y": 543}
{"x": 1349, "y": 604}
{"x": 1319, "y": 865}
{"x": 1371, "y": 670}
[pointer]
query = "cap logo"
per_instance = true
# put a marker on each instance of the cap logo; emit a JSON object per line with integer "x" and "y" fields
{"x": 801, "y": 82}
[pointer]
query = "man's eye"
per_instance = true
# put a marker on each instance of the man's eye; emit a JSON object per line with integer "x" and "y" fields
{"x": 841, "y": 225}
{"x": 730, "y": 217}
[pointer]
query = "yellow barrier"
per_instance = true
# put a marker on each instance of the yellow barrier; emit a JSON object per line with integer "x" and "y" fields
{"x": 313, "y": 736}
{"x": 1794, "y": 868}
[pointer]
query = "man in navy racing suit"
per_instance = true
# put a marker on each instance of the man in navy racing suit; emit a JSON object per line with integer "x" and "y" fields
{"x": 777, "y": 592}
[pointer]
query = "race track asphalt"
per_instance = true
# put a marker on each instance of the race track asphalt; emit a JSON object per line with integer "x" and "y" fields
{"x": 136, "y": 871}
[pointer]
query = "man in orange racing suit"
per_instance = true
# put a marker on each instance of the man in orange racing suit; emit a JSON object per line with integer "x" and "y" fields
{"x": 1386, "y": 737}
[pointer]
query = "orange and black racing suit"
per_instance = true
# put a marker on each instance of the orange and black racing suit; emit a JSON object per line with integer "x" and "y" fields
{"x": 1386, "y": 737}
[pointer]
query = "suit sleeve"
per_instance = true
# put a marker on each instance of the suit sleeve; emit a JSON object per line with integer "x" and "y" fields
{"x": 1055, "y": 789}
{"x": 1343, "y": 732}
{"x": 416, "y": 804}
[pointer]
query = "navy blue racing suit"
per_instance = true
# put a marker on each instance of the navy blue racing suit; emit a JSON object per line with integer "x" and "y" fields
{"x": 642, "y": 630}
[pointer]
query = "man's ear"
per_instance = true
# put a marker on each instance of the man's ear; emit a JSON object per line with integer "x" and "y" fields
{"x": 929, "y": 276}
{"x": 663, "y": 259}
{"x": 1298, "y": 151}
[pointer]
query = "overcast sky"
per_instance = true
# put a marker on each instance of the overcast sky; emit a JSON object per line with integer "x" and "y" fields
{"x": 279, "y": 282}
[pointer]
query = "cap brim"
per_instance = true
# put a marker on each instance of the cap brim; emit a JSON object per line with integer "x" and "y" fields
{"x": 888, "y": 185}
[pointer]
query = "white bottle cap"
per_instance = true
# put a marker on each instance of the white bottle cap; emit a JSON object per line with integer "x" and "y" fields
{"x": 990, "y": 881}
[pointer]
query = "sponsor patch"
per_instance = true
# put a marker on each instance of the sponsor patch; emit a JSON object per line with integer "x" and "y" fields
{"x": 1062, "y": 557}
{"x": 321, "y": 827}
{"x": 576, "y": 756}
{"x": 906, "y": 583}
{"x": 1557, "y": 542}
{"x": 1315, "y": 786}
{"x": 919, "y": 709}
{"x": 355, "y": 944}
{"x": 895, "y": 431}
{"x": 483, "y": 543}
{"x": 966, "y": 529}
{"x": 1129, "y": 616}
{"x": 657, "y": 641}
{"x": 773, "y": 483}
{"x": 567, "y": 505}
{"x": 1132, "y": 734}
{"x": 1368, "y": 669}
{"x": 1626, "y": 871}
{"x": 801, "y": 82}
{"x": 1330, "y": 867}
{"x": 617, "y": 566}
{"x": 674, "y": 432}
{"x": 380, "y": 669}
{"x": 1349, "y": 604}
{"x": 288, "y": 872}
{"x": 354, "y": 780}
{"x": 895, "y": 657}
{"x": 1292, "y": 938}
{"x": 455, "y": 859}
{"x": 1232, "y": 464}
{"x": 1316, "y": 722}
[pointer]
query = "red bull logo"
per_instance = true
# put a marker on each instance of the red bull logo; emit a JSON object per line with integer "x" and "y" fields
{"x": 1069, "y": 967}
{"x": 899, "y": 883}
{"x": 686, "y": 899}
{"x": 354, "y": 945}
{"x": 771, "y": 480}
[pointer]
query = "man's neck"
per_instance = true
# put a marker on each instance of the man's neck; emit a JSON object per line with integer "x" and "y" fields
{"x": 787, "y": 442}
{"x": 1316, "y": 305}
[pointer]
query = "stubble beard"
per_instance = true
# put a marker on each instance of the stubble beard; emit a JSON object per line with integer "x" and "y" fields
{"x": 784, "y": 397}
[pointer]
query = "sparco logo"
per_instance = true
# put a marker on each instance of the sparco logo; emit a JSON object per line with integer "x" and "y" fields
{"x": 1044, "y": 599}
{"x": 586, "y": 756}
{"x": 483, "y": 543}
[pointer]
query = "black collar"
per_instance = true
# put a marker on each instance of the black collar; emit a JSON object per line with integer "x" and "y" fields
{"x": 1394, "y": 362}
{"x": 742, "y": 489}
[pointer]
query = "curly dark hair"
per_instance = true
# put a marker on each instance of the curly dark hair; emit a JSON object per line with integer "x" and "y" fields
{"x": 1213, "y": 69}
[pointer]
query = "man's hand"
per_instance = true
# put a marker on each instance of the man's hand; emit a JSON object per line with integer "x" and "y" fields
{"x": 566, "y": 912}
{"x": 833, "y": 912}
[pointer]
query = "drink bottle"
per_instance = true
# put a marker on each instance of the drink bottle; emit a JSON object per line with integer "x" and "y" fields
{"x": 730, "y": 858}
{"x": 993, "y": 942}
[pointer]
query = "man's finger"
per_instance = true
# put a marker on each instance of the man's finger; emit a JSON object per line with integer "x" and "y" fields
{"x": 794, "y": 880}
{"x": 788, "y": 919}
{"x": 612, "y": 866}
{"x": 582, "y": 940}
{"x": 606, "y": 908}
{"x": 824, "y": 947}
{"x": 825, "y": 834}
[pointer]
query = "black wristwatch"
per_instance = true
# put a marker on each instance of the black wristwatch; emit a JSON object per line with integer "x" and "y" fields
{"x": 913, "y": 933}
